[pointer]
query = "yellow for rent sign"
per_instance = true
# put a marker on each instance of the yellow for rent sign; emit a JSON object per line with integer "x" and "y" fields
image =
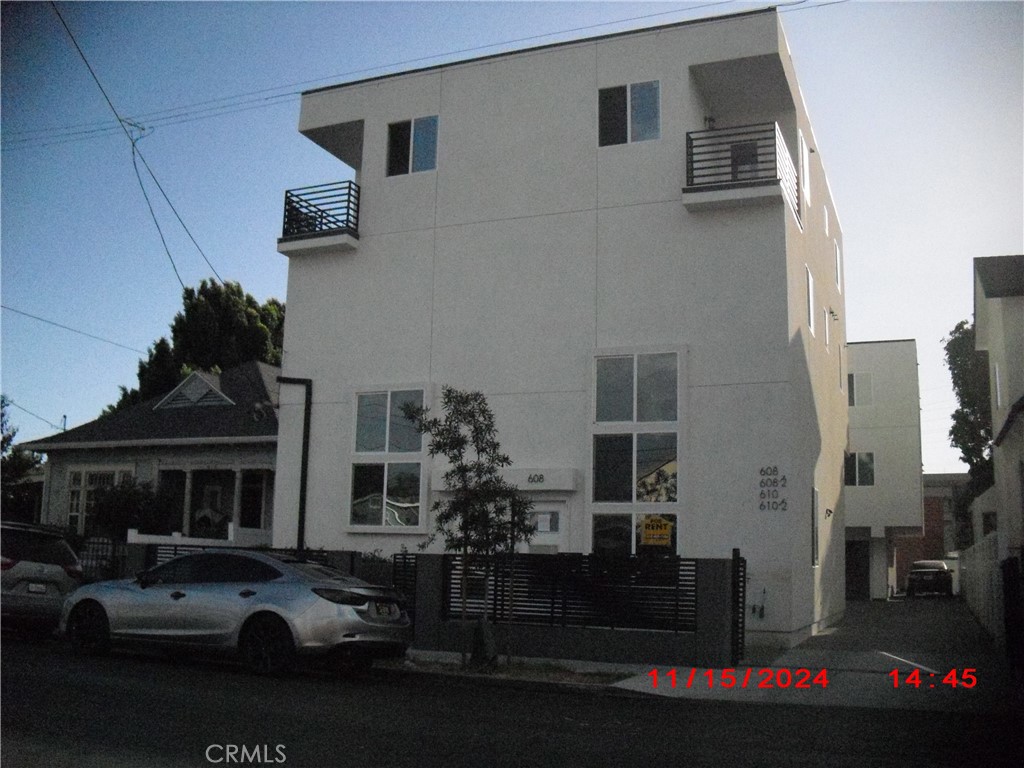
{"x": 656, "y": 531}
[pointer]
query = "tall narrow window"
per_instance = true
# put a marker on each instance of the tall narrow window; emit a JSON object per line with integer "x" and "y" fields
{"x": 805, "y": 171}
{"x": 810, "y": 301}
{"x": 814, "y": 527}
{"x": 628, "y": 113}
{"x": 412, "y": 146}
{"x": 386, "y": 476}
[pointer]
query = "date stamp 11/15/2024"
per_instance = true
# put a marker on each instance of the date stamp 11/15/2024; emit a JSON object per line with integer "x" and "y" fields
{"x": 772, "y": 677}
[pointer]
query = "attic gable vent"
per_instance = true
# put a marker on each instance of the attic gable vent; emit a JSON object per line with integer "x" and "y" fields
{"x": 194, "y": 391}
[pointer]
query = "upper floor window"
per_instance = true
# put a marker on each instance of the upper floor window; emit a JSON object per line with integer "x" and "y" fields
{"x": 859, "y": 389}
{"x": 839, "y": 267}
{"x": 628, "y": 113}
{"x": 412, "y": 146}
{"x": 810, "y": 300}
{"x": 387, "y": 477}
{"x": 637, "y": 387}
{"x": 860, "y": 468}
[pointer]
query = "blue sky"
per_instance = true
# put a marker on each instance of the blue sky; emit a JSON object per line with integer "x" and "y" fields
{"x": 916, "y": 107}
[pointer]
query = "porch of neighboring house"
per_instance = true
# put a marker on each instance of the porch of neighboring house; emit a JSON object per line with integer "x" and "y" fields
{"x": 215, "y": 506}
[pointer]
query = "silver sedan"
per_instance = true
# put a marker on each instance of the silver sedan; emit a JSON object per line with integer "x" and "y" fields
{"x": 267, "y": 607}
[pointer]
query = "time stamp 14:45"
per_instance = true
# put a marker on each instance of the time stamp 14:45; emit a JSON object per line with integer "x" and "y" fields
{"x": 955, "y": 678}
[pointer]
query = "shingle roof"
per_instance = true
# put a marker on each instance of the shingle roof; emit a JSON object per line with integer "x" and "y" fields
{"x": 251, "y": 388}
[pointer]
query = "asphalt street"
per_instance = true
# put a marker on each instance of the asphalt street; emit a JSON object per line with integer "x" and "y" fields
{"x": 145, "y": 709}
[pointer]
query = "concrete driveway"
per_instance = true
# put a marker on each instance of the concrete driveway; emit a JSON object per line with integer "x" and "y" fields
{"x": 925, "y": 640}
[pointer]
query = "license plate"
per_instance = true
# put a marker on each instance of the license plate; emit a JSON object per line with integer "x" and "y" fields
{"x": 37, "y": 589}
{"x": 388, "y": 610}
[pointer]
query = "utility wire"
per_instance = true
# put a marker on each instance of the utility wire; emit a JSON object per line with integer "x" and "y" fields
{"x": 259, "y": 99}
{"x": 73, "y": 330}
{"x": 26, "y": 410}
{"x": 123, "y": 123}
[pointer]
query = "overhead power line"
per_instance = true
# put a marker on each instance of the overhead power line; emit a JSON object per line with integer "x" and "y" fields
{"x": 33, "y": 415}
{"x": 281, "y": 94}
{"x": 73, "y": 330}
{"x": 124, "y": 125}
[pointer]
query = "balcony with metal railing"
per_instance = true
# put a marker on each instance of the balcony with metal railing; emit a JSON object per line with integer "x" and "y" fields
{"x": 744, "y": 165}
{"x": 320, "y": 219}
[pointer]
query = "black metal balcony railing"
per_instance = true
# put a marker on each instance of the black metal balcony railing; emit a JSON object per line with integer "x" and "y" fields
{"x": 322, "y": 209}
{"x": 746, "y": 155}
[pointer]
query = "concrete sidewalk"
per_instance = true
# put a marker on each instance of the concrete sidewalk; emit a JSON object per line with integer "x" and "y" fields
{"x": 931, "y": 636}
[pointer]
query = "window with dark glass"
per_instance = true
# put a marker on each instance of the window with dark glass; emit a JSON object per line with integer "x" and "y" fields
{"x": 412, "y": 146}
{"x": 860, "y": 468}
{"x": 628, "y": 113}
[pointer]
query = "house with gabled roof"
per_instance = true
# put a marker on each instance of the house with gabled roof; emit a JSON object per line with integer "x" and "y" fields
{"x": 207, "y": 448}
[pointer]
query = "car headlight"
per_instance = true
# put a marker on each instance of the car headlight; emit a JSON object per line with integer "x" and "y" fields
{"x": 342, "y": 596}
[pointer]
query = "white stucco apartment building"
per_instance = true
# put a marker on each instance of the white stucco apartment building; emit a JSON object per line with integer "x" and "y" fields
{"x": 628, "y": 244}
{"x": 884, "y": 488}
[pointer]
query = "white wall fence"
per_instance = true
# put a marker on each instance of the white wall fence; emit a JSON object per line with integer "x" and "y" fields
{"x": 981, "y": 584}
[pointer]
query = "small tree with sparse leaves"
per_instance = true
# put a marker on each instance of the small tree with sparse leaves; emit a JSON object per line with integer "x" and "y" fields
{"x": 482, "y": 516}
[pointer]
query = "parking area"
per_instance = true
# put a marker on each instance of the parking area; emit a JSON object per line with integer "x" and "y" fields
{"x": 924, "y": 654}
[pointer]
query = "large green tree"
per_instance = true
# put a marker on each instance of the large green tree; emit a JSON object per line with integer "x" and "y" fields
{"x": 971, "y": 432}
{"x": 219, "y": 326}
{"x": 15, "y": 465}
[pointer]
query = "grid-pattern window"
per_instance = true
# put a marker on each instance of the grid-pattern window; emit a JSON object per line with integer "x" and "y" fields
{"x": 412, "y": 146}
{"x": 628, "y": 113}
{"x": 386, "y": 475}
{"x": 84, "y": 487}
{"x": 860, "y": 468}
{"x": 635, "y": 448}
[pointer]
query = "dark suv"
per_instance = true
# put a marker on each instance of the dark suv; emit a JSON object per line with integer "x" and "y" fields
{"x": 38, "y": 569}
{"x": 930, "y": 576}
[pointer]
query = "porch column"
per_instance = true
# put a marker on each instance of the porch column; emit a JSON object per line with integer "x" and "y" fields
{"x": 185, "y": 513}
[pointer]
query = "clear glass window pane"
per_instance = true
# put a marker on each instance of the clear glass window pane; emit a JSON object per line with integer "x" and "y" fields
{"x": 656, "y": 535}
{"x": 656, "y": 467}
{"x": 850, "y": 469}
{"x": 402, "y": 435}
{"x": 865, "y": 469}
{"x": 645, "y": 111}
{"x": 367, "y": 494}
{"x": 613, "y": 468}
{"x": 615, "y": 388}
{"x": 402, "y": 507}
{"x": 424, "y": 144}
{"x": 612, "y": 534}
{"x": 656, "y": 387}
{"x": 371, "y": 422}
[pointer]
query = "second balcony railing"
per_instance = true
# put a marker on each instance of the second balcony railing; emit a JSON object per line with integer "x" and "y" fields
{"x": 746, "y": 155}
{"x": 320, "y": 210}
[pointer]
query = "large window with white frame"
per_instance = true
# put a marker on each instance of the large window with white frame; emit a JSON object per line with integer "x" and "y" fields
{"x": 84, "y": 487}
{"x": 387, "y": 467}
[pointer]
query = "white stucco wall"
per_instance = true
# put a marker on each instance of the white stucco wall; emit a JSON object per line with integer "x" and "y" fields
{"x": 529, "y": 251}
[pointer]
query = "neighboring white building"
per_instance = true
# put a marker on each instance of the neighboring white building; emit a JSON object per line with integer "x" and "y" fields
{"x": 628, "y": 244}
{"x": 884, "y": 494}
{"x": 999, "y": 330}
